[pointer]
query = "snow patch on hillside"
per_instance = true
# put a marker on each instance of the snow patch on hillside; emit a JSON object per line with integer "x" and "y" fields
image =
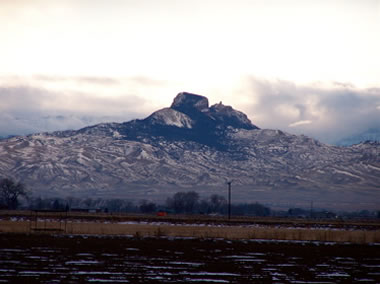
{"x": 168, "y": 116}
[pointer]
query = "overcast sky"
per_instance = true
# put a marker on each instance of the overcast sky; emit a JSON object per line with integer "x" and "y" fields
{"x": 310, "y": 67}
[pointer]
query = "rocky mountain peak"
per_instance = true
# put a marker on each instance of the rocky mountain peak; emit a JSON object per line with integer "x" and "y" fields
{"x": 197, "y": 107}
{"x": 229, "y": 116}
{"x": 187, "y": 101}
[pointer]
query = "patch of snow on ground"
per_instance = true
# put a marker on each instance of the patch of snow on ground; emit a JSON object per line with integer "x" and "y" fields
{"x": 207, "y": 280}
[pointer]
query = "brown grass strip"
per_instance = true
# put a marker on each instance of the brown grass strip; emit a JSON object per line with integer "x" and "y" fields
{"x": 227, "y": 232}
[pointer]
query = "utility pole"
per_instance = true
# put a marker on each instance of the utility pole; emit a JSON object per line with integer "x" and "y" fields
{"x": 311, "y": 209}
{"x": 229, "y": 199}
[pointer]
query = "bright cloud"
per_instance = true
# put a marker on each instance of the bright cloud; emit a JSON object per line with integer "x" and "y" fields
{"x": 199, "y": 42}
{"x": 301, "y": 122}
{"x": 65, "y": 64}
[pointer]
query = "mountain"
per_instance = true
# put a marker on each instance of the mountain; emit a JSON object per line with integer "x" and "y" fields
{"x": 193, "y": 146}
{"x": 372, "y": 134}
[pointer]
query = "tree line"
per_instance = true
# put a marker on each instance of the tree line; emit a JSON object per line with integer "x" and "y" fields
{"x": 14, "y": 194}
{"x": 179, "y": 203}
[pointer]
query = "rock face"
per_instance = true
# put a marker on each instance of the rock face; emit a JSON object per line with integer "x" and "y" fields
{"x": 217, "y": 115}
{"x": 193, "y": 146}
{"x": 186, "y": 102}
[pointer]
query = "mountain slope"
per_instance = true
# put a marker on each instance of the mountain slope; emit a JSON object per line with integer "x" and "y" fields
{"x": 192, "y": 146}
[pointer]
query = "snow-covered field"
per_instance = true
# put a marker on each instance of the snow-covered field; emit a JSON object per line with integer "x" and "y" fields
{"x": 82, "y": 259}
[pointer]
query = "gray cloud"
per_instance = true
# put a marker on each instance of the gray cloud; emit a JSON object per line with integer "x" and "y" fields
{"x": 98, "y": 80}
{"x": 78, "y": 79}
{"x": 42, "y": 103}
{"x": 144, "y": 80}
{"x": 327, "y": 113}
{"x": 25, "y": 110}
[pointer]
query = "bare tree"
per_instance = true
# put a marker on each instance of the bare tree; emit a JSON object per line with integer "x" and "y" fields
{"x": 10, "y": 193}
{"x": 147, "y": 207}
{"x": 183, "y": 202}
{"x": 217, "y": 202}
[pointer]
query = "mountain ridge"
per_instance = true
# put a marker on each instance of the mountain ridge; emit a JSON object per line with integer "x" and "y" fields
{"x": 193, "y": 146}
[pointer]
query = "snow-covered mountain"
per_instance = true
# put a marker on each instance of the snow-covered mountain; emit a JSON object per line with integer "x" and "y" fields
{"x": 192, "y": 146}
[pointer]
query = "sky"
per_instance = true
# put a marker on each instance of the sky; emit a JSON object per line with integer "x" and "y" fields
{"x": 302, "y": 66}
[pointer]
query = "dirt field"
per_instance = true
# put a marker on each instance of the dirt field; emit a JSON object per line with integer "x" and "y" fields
{"x": 36, "y": 258}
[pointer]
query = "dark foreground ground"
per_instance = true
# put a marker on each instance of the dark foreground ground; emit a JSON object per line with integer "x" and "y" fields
{"x": 83, "y": 259}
